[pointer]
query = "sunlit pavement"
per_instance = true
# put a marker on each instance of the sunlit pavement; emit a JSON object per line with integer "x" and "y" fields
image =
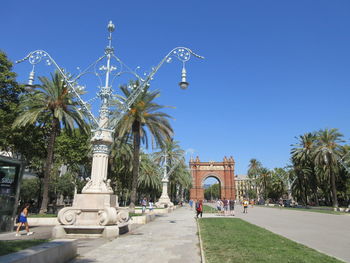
{"x": 169, "y": 238}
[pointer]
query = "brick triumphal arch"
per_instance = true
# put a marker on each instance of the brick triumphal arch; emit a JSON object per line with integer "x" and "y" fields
{"x": 223, "y": 171}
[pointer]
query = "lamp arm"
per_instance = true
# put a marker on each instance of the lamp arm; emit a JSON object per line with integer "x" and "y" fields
{"x": 36, "y": 56}
{"x": 181, "y": 53}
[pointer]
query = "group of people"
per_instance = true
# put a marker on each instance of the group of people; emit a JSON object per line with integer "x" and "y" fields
{"x": 144, "y": 205}
{"x": 226, "y": 207}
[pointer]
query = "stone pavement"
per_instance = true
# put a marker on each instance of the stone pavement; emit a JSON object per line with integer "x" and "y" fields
{"x": 327, "y": 233}
{"x": 40, "y": 232}
{"x": 169, "y": 238}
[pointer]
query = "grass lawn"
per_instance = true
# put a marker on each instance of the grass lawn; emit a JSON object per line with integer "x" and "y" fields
{"x": 135, "y": 214}
{"x": 11, "y": 246}
{"x": 234, "y": 240}
{"x": 308, "y": 210}
{"x": 209, "y": 209}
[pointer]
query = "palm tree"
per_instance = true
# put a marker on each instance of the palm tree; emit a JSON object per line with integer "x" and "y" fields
{"x": 303, "y": 161}
{"x": 149, "y": 179}
{"x": 254, "y": 168}
{"x": 327, "y": 153}
{"x": 54, "y": 102}
{"x": 264, "y": 174}
{"x": 143, "y": 118}
{"x": 180, "y": 181}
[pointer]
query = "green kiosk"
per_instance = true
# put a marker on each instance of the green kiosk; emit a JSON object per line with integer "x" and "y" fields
{"x": 11, "y": 172}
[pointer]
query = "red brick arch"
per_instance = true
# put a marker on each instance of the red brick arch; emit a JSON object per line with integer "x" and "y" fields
{"x": 223, "y": 171}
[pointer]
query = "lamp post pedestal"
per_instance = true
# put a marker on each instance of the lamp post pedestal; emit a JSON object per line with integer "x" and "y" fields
{"x": 95, "y": 212}
{"x": 164, "y": 200}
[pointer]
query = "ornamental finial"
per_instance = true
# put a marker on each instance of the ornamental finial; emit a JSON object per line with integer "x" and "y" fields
{"x": 110, "y": 26}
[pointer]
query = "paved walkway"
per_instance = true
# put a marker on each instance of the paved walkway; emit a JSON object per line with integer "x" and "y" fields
{"x": 40, "y": 232}
{"x": 327, "y": 233}
{"x": 170, "y": 238}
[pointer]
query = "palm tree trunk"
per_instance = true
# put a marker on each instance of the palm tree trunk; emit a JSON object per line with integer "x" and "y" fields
{"x": 48, "y": 165}
{"x": 334, "y": 190}
{"x": 136, "y": 162}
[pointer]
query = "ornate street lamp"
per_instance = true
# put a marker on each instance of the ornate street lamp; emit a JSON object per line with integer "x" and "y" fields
{"x": 97, "y": 206}
{"x": 164, "y": 200}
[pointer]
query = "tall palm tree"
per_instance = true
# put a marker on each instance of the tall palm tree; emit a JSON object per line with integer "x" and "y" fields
{"x": 143, "y": 119}
{"x": 303, "y": 161}
{"x": 254, "y": 168}
{"x": 149, "y": 179}
{"x": 328, "y": 152}
{"x": 52, "y": 101}
{"x": 180, "y": 181}
{"x": 263, "y": 178}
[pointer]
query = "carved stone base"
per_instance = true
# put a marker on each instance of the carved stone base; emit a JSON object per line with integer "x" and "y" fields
{"x": 164, "y": 202}
{"x": 91, "y": 213}
{"x": 85, "y": 231}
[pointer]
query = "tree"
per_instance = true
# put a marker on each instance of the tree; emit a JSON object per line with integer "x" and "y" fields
{"x": 212, "y": 192}
{"x": 278, "y": 185}
{"x": 30, "y": 190}
{"x": 327, "y": 153}
{"x": 50, "y": 101}
{"x": 254, "y": 168}
{"x": 143, "y": 120}
{"x": 263, "y": 179}
{"x": 120, "y": 168}
{"x": 303, "y": 162}
{"x": 149, "y": 180}
{"x": 9, "y": 101}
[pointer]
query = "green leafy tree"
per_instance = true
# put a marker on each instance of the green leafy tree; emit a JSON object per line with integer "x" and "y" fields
{"x": 120, "y": 168}
{"x": 54, "y": 102}
{"x": 10, "y": 91}
{"x": 278, "y": 185}
{"x": 30, "y": 190}
{"x": 143, "y": 120}
{"x": 212, "y": 192}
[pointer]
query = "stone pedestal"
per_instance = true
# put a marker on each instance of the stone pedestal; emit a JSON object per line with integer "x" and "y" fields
{"x": 164, "y": 200}
{"x": 92, "y": 215}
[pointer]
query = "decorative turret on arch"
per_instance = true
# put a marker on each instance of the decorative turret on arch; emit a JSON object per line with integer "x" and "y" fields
{"x": 223, "y": 171}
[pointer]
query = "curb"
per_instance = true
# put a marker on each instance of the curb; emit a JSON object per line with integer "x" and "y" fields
{"x": 55, "y": 251}
{"x": 200, "y": 242}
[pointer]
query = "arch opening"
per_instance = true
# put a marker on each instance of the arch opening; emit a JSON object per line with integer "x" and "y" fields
{"x": 212, "y": 188}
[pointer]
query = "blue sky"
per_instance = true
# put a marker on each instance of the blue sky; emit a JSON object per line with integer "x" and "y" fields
{"x": 273, "y": 69}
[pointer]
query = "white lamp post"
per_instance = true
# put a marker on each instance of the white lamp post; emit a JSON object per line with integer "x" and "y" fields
{"x": 97, "y": 206}
{"x": 164, "y": 200}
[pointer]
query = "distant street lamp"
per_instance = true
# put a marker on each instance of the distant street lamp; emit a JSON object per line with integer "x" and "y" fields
{"x": 97, "y": 205}
{"x": 164, "y": 200}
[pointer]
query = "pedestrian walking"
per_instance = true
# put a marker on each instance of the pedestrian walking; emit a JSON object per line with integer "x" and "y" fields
{"x": 150, "y": 205}
{"x": 191, "y": 203}
{"x": 23, "y": 221}
{"x": 218, "y": 205}
{"x": 199, "y": 208}
{"x": 232, "y": 207}
{"x": 226, "y": 206}
{"x": 144, "y": 204}
{"x": 245, "y": 206}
